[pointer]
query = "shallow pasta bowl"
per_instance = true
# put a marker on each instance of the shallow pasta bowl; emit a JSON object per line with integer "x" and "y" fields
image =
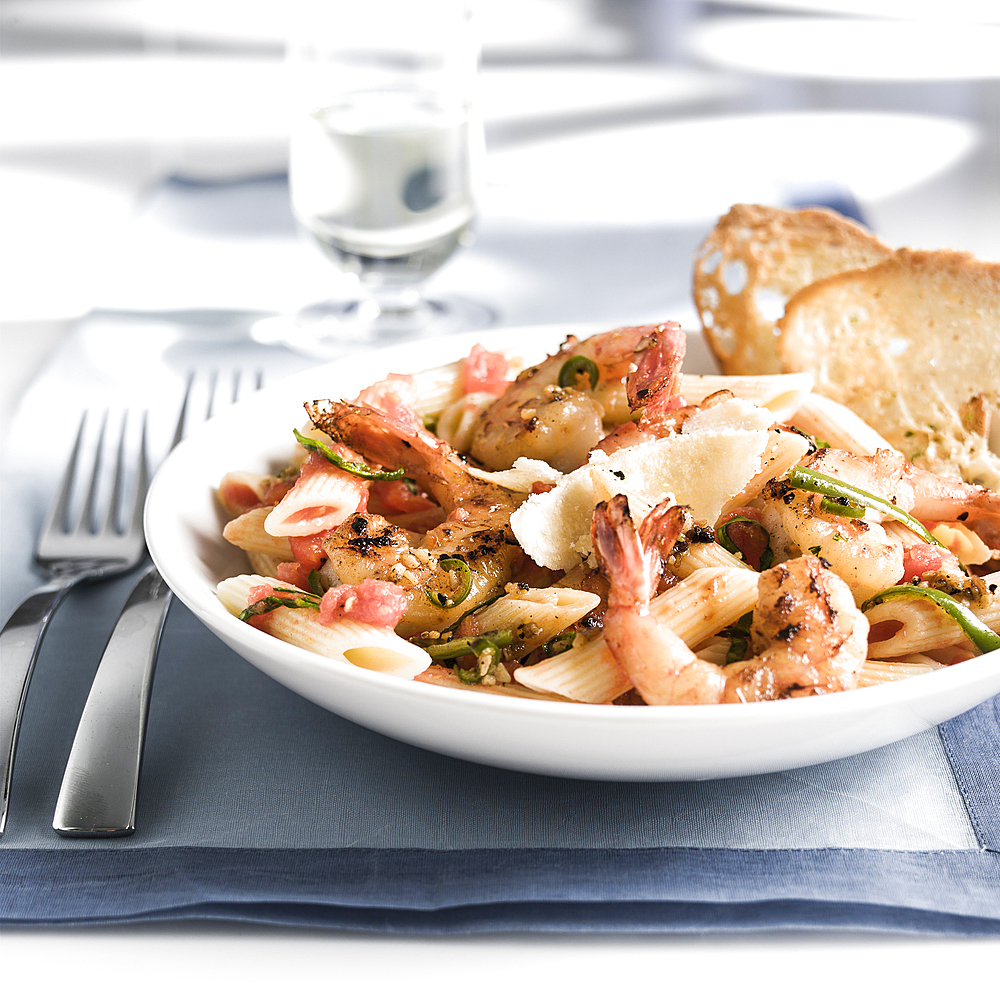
{"x": 184, "y": 531}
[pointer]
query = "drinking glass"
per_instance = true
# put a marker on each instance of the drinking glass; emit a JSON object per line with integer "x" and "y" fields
{"x": 383, "y": 162}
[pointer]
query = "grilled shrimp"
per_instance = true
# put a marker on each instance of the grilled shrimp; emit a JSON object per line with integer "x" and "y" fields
{"x": 810, "y": 637}
{"x": 661, "y": 667}
{"x": 476, "y": 530}
{"x": 928, "y": 497}
{"x": 538, "y": 418}
{"x": 860, "y": 552}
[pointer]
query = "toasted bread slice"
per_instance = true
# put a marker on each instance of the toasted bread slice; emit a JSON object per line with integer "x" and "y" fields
{"x": 753, "y": 261}
{"x": 912, "y": 345}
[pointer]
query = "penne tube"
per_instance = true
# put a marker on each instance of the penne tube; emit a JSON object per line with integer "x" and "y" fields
{"x": 920, "y": 625}
{"x": 264, "y": 565}
{"x": 705, "y": 555}
{"x": 587, "y": 673}
{"x": 781, "y": 394}
{"x": 884, "y": 671}
{"x": 546, "y": 612}
{"x": 247, "y": 531}
{"x": 443, "y": 677}
{"x": 698, "y": 607}
{"x": 349, "y": 642}
{"x": 838, "y": 426}
{"x": 241, "y": 491}
{"x": 459, "y": 420}
{"x": 323, "y": 497}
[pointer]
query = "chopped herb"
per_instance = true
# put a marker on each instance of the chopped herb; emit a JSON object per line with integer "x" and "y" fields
{"x": 559, "y": 643}
{"x": 280, "y": 599}
{"x": 315, "y": 584}
{"x": 815, "y": 549}
{"x": 738, "y": 635}
{"x": 455, "y": 648}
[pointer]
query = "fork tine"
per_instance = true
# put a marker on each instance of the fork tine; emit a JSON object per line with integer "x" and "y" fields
{"x": 58, "y": 514}
{"x": 86, "y": 518}
{"x": 182, "y": 419}
{"x": 110, "y": 525}
{"x": 142, "y": 482}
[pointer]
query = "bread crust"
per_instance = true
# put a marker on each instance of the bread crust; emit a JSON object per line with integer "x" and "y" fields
{"x": 753, "y": 261}
{"x": 912, "y": 345}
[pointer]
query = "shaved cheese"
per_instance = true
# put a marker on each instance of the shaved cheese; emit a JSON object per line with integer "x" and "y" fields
{"x": 734, "y": 414}
{"x": 702, "y": 470}
{"x": 522, "y": 477}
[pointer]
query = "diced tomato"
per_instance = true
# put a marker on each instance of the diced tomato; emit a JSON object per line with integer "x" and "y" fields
{"x": 485, "y": 371}
{"x": 373, "y": 602}
{"x": 397, "y": 496}
{"x": 277, "y": 489}
{"x": 750, "y": 538}
{"x": 308, "y": 550}
{"x": 293, "y": 573}
{"x": 922, "y": 558}
{"x": 256, "y": 594}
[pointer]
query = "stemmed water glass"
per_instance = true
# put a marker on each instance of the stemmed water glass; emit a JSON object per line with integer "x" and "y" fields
{"x": 383, "y": 163}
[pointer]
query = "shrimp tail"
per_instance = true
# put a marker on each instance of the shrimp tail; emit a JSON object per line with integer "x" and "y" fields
{"x": 658, "y": 360}
{"x": 634, "y": 574}
{"x": 663, "y": 525}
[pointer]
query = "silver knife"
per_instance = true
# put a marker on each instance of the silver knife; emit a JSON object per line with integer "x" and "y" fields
{"x": 101, "y": 782}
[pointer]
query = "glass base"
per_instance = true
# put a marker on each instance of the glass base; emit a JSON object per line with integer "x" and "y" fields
{"x": 328, "y": 330}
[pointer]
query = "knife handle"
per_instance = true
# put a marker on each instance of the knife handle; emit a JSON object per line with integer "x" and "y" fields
{"x": 101, "y": 781}
{"x": 20, "y": 642}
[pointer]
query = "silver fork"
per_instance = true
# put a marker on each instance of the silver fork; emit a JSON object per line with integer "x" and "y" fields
{"x": 100, "y": 785}
{"x": 68, "y": 555}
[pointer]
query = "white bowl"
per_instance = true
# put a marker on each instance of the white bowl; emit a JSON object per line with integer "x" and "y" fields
{"x": 184, "y": 531}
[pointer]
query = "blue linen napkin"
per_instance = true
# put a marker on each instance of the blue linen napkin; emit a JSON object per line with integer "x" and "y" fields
{"x": 257, "y": 805}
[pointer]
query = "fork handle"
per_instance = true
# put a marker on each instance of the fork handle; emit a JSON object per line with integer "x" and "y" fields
{"x": 20, "y": 641}
{"x": 101, "y": 781}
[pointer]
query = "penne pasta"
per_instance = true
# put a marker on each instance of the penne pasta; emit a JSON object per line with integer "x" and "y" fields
{"x": 457, "y": 422}
{"x": 885, "y": 671}
{"x": 781, "y": 394}
{"x": 350, "y": 642}
{"x": 592, "y": 480}
{"x": 838, "y": 426}
{"x": 443, "y": 677}
{"x": 545, "y": 612}
{"x": 918, "y": 625}
{"x": 241, "y": 491}
{"x": 323, "y": 496}
{"x": 706, "y": 555}
{"x": 247, "y": 531}
{"x": 264, "y": 565}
